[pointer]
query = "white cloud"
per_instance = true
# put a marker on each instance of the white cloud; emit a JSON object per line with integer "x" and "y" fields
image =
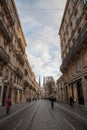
{"x": 41, "y": 32}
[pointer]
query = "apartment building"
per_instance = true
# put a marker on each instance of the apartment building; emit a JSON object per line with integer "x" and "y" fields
{"x": 73, "y": 40}
{"x": 14, "y": 67}
{"x": 29, "y": 81}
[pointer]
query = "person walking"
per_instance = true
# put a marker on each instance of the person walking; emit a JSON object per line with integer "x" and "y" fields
{"x": 71, "y": 101}
{"x": 8, "y": 105}
{"x": 52, "y": 102}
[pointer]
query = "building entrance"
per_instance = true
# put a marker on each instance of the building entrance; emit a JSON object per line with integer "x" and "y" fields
{"x": 80, "y": 93}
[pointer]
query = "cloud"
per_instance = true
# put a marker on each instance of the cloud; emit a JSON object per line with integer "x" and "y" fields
{"x": 41, "y": 20}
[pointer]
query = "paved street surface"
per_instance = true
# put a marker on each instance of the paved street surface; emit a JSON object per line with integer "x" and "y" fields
{"x": 38, "y": 115}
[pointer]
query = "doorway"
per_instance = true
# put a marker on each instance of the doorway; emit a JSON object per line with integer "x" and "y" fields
{"x": 80, "y": 93}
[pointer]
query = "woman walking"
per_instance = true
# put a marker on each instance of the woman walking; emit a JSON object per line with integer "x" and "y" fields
{"x": 8, "y": 105}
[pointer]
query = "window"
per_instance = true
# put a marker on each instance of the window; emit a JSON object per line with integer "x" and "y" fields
{"x": 73, "y": 2}
{"x": 85, "y": 1}
{"x": 77, "y": 15}
{"x": 69, "y": 14}
{"x": 6, "y": 74}
{"x": 77, "y": 66}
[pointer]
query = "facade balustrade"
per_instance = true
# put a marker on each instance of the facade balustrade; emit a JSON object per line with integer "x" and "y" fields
{"x": 21, "y": 44}
{"x": 20, "y": 57}
{"x": 4, "y": 29}
{"x": 19, "y": 72}
{"x": 8, "y": 10}
{"x": 78, "y": 43}
{"x": 4, "y": 57}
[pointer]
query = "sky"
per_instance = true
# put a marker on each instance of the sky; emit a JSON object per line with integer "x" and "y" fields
{"x": 41, "y": 20}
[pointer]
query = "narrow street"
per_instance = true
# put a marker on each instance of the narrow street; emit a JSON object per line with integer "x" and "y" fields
{"x": 38, "y": 115}
{"x": 43, "y": 65}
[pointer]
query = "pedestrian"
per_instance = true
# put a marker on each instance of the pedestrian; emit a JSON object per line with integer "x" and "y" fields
{"x": 52, "y": 101}
{"x": 71, "y": 101}
{"x": 8, "y": 104}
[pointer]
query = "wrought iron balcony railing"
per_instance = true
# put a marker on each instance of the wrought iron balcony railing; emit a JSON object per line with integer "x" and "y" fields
{"x": 76, "y": 46}
{"x": 4, "y": 57}
{"x": 19, "y": 73}
{"x": 4, "y": 29}
{"x": 26, "y": 83}
{"x": 20, "y": 57}
{"x": 8, "y": 10}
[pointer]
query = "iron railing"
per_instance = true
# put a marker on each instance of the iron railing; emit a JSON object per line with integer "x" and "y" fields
{"x": 20, "y": 57}
{"x": 26, "y": 83}
{"x": 19, "y": 73}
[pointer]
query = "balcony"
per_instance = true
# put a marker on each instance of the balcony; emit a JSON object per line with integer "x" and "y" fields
{"x": 4, "y": 57}
{"x": 25, "y": 84}
{"x": 4, "y": 29}
{"x": 21, "y": 45}
{"x": 19, "y": 73}
{"x": 8, "y": 11}
{"x": 20, "y": 57}
{"x": 76, "y": 48}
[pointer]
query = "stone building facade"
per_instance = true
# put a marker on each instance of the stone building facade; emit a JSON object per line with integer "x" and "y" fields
{"x": 16, "y": 74}
{"x": 73, "y": 40}
{"x": 49, "y": 86}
